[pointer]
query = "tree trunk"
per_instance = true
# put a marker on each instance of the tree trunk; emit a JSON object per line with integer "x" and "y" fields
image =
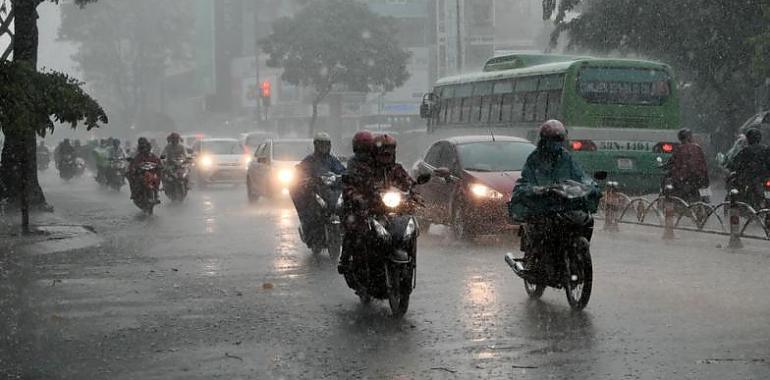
{"x": 19, "y": 157}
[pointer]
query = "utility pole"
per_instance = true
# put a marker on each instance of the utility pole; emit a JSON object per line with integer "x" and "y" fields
{"x": 458, "y": 19}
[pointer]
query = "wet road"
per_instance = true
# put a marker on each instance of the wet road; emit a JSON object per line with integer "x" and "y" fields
{"x": 215, "y": 288}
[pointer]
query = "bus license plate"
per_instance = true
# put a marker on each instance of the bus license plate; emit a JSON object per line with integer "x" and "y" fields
{"x": 625, "y": 164}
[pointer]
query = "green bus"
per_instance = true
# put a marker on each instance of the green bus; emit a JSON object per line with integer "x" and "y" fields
{"x": 621, "y": 114}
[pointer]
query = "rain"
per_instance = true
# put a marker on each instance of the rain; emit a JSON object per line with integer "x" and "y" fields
{"x": 384, "y": 189}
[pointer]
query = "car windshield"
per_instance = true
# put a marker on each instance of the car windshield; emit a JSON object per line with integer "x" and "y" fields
{"x": 291, "y": 151}
{"x": 222, "y": 147}
{"x": 494, "y": 156}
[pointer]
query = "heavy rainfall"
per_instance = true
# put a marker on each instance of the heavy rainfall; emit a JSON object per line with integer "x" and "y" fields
{"x": 384, "y": 189}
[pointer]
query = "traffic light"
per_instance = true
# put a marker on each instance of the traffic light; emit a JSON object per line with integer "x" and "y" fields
{"x": 265, "y": 89}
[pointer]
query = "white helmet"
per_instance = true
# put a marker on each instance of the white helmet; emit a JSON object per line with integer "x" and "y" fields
{"x": 322, "y": 137}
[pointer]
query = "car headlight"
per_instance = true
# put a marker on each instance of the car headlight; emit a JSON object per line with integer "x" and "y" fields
{"x": 247, "y": 161}
{"x": 391, "y": 199}
{"x": 206, "y": 162}
{"x": 286, "y": 176}
{"x": 483, "y": 191}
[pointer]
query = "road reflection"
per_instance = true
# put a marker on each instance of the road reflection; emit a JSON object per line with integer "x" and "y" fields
{"x": 481, "y": 316}
{"x": 285, "y": 261}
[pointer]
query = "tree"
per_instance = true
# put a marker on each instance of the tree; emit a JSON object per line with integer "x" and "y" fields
{"x": 18, "y": 165}
{"x": 126, "y": 47}
{"x": 28, "y": 100}
{"x": 334, "y": 43}
{"x": 709, "y": 43}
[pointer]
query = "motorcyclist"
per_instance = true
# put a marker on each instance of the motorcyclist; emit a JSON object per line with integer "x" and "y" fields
{"x": 101, "y": 155}
{"x": 687, "y": 169}
{"x": 143, "y": 154}
{"x": 62, "y": 150}
{"x": 116, "y": 152}
{"x": 547, "y": 165}
{"x": 359, "y": 171}
{"x": 752, "y": 163}
{"x": 174, "y": 150}
{"x": 361, "y": 188}
{"x": 319, "y": 162}
{"x": 42, "y": 152}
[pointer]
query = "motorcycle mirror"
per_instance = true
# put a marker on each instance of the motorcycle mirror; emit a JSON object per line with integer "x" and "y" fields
{"x": 423, "y": 178}
{"x": 600, "y": 175}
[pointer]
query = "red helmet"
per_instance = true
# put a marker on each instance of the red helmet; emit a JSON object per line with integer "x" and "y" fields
{"x": 173, "y": 137}
{"x": 385, "y": 149}
{"x": 553, "y": 130}
{"x": 363, "y": 141}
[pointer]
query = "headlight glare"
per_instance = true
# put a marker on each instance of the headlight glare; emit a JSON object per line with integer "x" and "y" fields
{"x": 391, "y": 199}
{"x": 286, "y": 176}
{"x": 483, "y": 191}
{"x": 206, "y": 162}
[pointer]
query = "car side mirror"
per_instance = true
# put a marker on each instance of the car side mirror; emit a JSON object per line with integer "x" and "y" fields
{"x": 262, "y": 160}
{"x": 444, "y": 173}
{"x": 600, "y": 176}
{"x": 423, "y": 178}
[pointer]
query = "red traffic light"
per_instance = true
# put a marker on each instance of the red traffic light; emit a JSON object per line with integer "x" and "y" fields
{"x": 266, "y": 89}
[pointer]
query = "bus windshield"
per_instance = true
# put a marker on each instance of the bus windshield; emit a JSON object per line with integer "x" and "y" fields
{"x": 628, "y": 86}
{"x": 494, "y": 156}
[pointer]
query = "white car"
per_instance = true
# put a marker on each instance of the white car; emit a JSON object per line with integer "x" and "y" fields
{"x": 219, "y": 160}
{"x": 271, "y": 172}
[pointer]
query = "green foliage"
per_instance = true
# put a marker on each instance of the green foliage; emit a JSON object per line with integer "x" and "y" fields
{"x": 709, "y": 43}
{"x": 126, "y": 47}
{"x": 337, "y": 42}
{"x": 33, "y": 100}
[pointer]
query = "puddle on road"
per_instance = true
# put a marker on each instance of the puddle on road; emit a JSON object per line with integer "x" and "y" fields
{"x": 211, "y": 267}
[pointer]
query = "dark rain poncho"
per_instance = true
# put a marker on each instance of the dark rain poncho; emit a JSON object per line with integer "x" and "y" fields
{"x": 539, "y": 171}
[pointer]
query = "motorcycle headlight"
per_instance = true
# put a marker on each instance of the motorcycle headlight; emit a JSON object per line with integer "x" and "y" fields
{"x": 286, "y": 176}
{"x": 320, "y": 200}
{"x": 206, "y": 162}
{"x": 483, "y": 191}
{"x": 391, "y": 199}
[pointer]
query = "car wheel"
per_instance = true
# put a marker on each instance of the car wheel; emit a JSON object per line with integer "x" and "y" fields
{"x": 250, "y": 193}
{"x": 460, "y": 228}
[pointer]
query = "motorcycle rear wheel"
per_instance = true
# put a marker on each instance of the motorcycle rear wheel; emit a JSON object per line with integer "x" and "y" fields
{"x": 578, "y": 277}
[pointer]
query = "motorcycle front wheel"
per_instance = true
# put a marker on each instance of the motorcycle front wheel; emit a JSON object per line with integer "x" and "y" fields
{"x": 334, "y": 241}
{"x": 534, "y": 291}
{"x": 578, "y": 277}
{"x": 399, "y": 278}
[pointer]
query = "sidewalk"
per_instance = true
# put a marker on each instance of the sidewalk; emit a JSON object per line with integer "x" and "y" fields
{"x": 50, "y": 234}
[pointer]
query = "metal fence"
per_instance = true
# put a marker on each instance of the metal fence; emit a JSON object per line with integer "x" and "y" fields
{"x": 731, "y": 218}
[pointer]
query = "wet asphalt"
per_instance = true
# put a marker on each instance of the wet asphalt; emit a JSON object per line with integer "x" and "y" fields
{"x": 218, "y": 288}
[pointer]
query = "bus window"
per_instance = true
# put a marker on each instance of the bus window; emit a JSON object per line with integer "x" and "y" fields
{"x": 554, "y": 105}
{"x": 530, "y": 101}
{"x": 541, "y": 106}
{"x": 486, "y": 103}
{"x": 465, "y": 110}
{"x": 495, "y": 108}
{"x": 476, "y": 109}
{"x": 442, "y": 111}
{"x": 507, "y": 106}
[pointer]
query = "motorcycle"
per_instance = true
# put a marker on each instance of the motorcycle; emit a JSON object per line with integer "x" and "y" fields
{"x": 385, "y": 266}
{"x": 558, "y": 246}
{"x": 327, "y": 193}
{"x": 43, "y": 160}
{"x": 755, "y": 194}
{"x": 147, "y": 197}
{"x": 176, "y": 181}
{"x": 114, "y": 175}
{"x": 67, "y": 167}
